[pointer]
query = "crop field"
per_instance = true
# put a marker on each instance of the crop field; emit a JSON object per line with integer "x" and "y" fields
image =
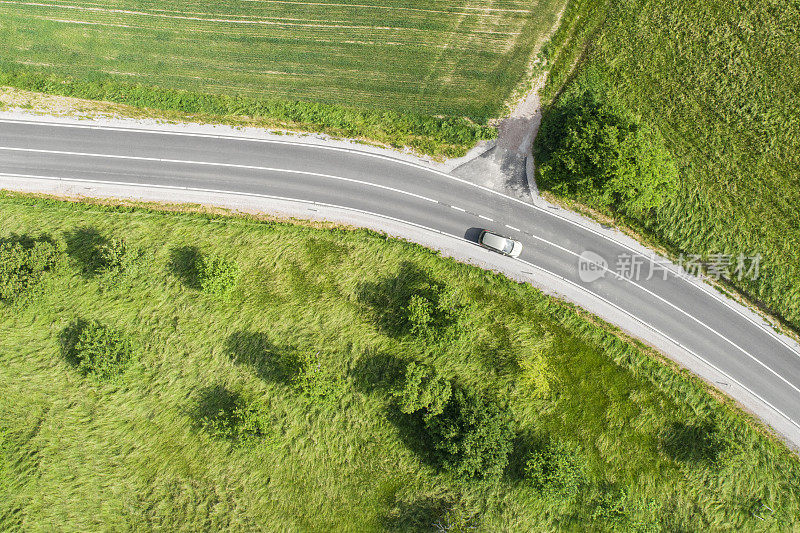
{"x": 456, "y": 58}
{"x": 720, "y": 82}
{"x": 604, "y": 435}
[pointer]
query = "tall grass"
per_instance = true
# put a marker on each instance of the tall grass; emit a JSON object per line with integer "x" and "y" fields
{"x": 656, "y": 450}
{"x": 721, "y": 84}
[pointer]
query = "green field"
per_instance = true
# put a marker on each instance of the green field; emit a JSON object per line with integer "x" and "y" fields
{"x": 622, "y": 442}
{"x": 431, "y": 57}
{"x": 720, "y": 82}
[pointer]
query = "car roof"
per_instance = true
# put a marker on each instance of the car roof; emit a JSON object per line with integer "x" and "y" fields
{"x": 497, "y": 241}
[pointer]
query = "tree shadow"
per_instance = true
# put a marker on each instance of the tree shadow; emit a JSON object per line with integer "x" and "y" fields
{"x": 413, "y": 434}
{"x": 689, "y": 443}
{"x": 183, "y": 264}
{"x": 525, "y": 443}
{"x": 68, "y": 339}
{"x": 377, "y": 371}
{"x": 269, "y": 361}
{"x": 27, "y": 241}
{"x": 84, "y": 246}
{"x": 215, "y": 410}
{"x": 417, "y": 515}
{"x": 388, "y": 299}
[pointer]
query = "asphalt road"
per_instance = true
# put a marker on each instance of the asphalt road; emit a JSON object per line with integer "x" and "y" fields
{"x": 757, "y": 359}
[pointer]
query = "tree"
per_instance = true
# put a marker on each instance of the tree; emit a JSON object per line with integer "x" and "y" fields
{"x": 471, "y": 437}
{"x": 423, "y": 390}
{"x": 117, "y": 257}
{"x": 216, "y": 274}
{"x": 97, "y": 350}
{"x": 595, "y": 150}
{"x": 316, "y": 380}
{"x": 229, "y": 415}
{"x": 23, "y": 263}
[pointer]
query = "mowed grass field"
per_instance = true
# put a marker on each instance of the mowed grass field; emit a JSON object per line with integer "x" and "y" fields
{"x": 720, "y": 81}
{"x": 649, "y": 449}
{"x": 455, "y": 58}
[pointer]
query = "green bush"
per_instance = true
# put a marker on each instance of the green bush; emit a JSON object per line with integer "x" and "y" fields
{"x": 117, "y": 257}
{"x": 97, "y": 350}
{"x": 471, "y": 437}
{"x": 216, "y": 274}
{"x": 23, "y": 263}
{"x": 594, "y": 150}
{"x": 554, "y": 471}
{"x": 231, "y": 416}
{"x": 423, "y": 390}
{"x": 316, "y": 380}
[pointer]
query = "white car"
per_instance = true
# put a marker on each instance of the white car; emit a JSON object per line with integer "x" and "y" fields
{"x": 500, "y": 244}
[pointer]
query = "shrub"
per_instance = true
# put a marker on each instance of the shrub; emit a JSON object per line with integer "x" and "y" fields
{"x": 216, "y": 274}
{"x": 423, "y": 390}
{"x": 316, "y": 380}
{"x": 595, "y": 150}
{"x": 231, "y": 416}
{"x": 554, "y": 471}
{"x": 471, "y": 437}
{"x": 117, "y": 257}
{"x": 412, "y": 302}
{"x": 23, "y": 263}
{"x": 97, "y": 350}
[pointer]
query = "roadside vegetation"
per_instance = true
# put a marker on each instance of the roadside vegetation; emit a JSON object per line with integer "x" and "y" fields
{"x": 340, "y": 380}
{"x": 712, "y": 91}
{"x": 425, "y": 75}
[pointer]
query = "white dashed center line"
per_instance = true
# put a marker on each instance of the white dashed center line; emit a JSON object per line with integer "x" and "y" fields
{"x": 485, "y": 218}
{"x": 512, "y": 227}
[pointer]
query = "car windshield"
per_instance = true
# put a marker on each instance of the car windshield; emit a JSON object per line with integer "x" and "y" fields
{"x": 509, "y": 246}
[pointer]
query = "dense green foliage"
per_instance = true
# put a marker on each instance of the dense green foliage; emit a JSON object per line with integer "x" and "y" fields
{"x": 23, "y": 263}
{"x": 228, "y": 415}
{"x": 720, "y": 83}
{"x": 471, "y": 437}
{"x": 217, "y": 274}
{"x": 596, "y": 152}
{"x": 117, "y": 258}
{"x": 96, "y": 350}
{"x": 423, "y": 390}
{"x": 160, "y": 448}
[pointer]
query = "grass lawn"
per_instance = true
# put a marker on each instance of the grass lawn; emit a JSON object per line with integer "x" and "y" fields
{"x": 720, "y": 81}
{"x": 627, "y": 442}
{"x": 432, "y": 57}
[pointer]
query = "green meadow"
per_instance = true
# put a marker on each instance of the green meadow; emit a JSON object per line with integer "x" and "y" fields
{"x": 273, "y": 376}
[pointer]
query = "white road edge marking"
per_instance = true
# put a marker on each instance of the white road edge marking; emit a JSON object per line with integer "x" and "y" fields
{"x": 584, "y": 289}
{"x": 224, "y": 165}
{"x": 709, "y": 291}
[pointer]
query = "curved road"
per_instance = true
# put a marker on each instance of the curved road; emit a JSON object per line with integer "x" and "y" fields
{"x": 727, "y": 340}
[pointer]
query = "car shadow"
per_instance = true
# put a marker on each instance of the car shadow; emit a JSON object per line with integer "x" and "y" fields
{"x": 472, "y": 234}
